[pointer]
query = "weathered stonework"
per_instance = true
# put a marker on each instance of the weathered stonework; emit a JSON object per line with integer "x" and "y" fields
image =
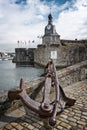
{"x": 24, "y": 56}
{"x": 68, "y": 53}
{"x": 72, "y": 74}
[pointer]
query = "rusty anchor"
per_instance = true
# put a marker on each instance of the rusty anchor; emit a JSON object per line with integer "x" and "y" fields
{"x": 46, "y": 108}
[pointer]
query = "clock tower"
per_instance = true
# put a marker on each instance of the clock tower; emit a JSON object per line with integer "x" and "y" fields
{"x": 51, "y": 45}
{"x": 50, "y": 36}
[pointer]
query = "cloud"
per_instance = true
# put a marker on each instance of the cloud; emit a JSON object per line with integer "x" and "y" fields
{"x": 26, "y": 19}
{"x": 72, "y": 23}
{"x": 18, "y": 22}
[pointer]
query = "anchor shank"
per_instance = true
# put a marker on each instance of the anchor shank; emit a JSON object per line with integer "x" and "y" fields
{"x": 47, "y": 90}
{"x": 46, "y": 97}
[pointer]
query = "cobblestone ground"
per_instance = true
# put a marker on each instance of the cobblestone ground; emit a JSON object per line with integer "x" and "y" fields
{"x": 73, "y": 118}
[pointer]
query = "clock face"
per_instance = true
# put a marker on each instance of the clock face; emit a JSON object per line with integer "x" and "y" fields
{"x": 48, "y": 27}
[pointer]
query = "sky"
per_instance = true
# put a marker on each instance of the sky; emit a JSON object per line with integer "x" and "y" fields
{"x": 25, "y": 20}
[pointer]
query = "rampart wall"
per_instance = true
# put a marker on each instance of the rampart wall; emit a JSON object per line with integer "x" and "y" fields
{"x": 24, "y": 56}
{"x": 72, "y": 74}
{"x": 69, "y": 52}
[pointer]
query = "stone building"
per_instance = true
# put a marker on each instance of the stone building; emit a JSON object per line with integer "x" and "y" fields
{"x": 64, "y": 52}
{"x": 24, "y": 56}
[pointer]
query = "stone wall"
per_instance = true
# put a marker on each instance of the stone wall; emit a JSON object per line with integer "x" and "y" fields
{"x": 24, "y": 56}
{"x": 75, "y": 51}
{"x": 69, "y": 52}
{"x": 72, "y": 74}
{"x": 43, "y": 53}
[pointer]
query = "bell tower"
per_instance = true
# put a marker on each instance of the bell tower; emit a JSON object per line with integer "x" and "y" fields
{"x": 50, "y": 34}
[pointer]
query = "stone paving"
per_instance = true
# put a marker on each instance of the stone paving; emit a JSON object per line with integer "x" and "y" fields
{"x": 73, "y": 118}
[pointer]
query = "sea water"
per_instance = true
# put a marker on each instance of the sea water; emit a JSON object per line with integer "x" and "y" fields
{"x": 10, "y": 74}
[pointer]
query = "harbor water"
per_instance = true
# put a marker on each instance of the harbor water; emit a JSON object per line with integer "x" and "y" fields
{"x": 10, "y": 74}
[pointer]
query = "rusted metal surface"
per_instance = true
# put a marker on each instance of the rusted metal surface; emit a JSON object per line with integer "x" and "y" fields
{"x": 46, "y": 108}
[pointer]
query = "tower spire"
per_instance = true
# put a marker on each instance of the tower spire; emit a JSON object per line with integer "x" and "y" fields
{"x": 50, "y": 19}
